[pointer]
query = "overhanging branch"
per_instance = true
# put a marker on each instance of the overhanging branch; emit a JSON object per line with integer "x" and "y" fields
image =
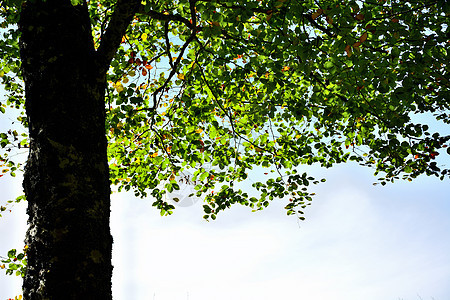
{"x": 165, "y": 17}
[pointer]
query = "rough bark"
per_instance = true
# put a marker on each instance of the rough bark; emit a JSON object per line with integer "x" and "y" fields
{"x": 66, "y": 178}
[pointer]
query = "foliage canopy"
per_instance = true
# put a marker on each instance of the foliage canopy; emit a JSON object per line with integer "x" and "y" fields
{"x": 216, "y": 88}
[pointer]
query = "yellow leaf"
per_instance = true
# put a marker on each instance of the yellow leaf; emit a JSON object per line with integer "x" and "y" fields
{"x": 348, "y": 49}
{"x": 125, "y": 80}
{"x": 172, "y": 177}
{"x": 317, "y": 14}
{"x": 199, "y": 130}
{"x": 119, "y": 87}
{"x": 363, "y": 37}
{"x": 144, "y": 36}
{"x": 329, "y": 20}
{"x": 180, "y": 76}
{"x": 155, "y": 154}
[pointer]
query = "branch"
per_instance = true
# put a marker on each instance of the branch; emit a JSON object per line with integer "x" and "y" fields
{"x": 176, "y": 65}
{"x": 174, "y": 69}
{"x": 163, "y": 17}
{"x": 318, "y": 26}
{"x": 120, "y": 19}
{"x": 260, "y": 9}
{"x": 166, "y": 36}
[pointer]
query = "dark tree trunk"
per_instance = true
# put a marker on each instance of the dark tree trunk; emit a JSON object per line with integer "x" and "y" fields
{"x": 66, "y": 177}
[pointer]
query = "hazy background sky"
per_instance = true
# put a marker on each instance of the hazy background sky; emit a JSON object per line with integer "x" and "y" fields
{"x": 359, "y": 241}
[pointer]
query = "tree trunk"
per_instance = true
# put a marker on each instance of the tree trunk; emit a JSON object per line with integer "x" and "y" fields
{"x": 66, "y": 177}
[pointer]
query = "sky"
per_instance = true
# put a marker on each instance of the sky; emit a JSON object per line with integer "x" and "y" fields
{"x": 358, "y": 241}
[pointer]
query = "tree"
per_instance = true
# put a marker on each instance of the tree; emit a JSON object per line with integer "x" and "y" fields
{"x": 137, "y": 93}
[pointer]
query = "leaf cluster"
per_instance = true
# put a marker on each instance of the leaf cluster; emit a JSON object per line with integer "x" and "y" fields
{"x": 15, "y": 263}
{"x": 221, "y": 88}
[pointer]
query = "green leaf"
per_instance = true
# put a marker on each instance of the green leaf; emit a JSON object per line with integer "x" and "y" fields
{"x": 328, "y": 65}
{"x": 12, "y": 253}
